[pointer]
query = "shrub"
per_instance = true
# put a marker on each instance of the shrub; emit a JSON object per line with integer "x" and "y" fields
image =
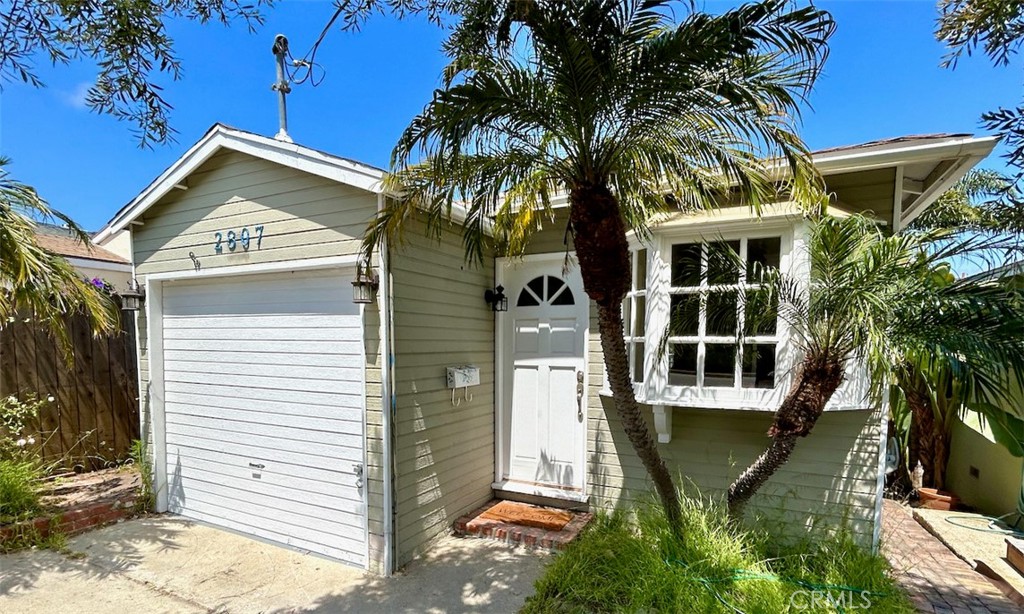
{"x": 19, "y": 489}
{"x": 623, "y": 564}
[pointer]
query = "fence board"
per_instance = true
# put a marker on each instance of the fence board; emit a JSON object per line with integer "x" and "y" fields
{"x": 95, "y": 413}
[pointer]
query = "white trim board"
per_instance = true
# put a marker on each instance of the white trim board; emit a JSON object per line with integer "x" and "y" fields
{"x": 252, "y": 269}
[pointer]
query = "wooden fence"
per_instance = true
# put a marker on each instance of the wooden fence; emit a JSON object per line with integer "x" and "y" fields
{"x": 95, "y": 413}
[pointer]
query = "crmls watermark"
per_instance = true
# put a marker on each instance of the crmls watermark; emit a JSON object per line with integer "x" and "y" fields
{"x": 838, "y": 599}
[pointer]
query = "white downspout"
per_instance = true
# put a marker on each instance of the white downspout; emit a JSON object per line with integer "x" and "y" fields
{"x": 387, "y": 398}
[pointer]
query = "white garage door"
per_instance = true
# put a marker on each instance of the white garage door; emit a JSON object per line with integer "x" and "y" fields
{"x": 263, "y": 398}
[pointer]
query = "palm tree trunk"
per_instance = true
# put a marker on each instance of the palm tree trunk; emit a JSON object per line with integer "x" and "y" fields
{"x": 924, "y": 432}
{"x": 603, "y": 253}
{"x": 816, "y": 381}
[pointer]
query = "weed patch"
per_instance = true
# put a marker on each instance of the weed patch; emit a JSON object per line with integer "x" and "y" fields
{"x": 637, "y": 564}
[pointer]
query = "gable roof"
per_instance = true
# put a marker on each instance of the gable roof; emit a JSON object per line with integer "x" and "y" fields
{"x": 944, "y": 158}
{"x": 220, "y": 136}
{"x": 60, "y": 241}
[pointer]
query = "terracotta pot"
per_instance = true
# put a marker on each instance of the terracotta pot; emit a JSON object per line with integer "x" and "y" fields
{"x": 933, "y": 499}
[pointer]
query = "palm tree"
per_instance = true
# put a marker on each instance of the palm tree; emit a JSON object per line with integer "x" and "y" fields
{"x": 888, "y": 302}
{"x": 34, "y": 281}
{"x": 937, "y": 391}
{"x": 626, "y": 112}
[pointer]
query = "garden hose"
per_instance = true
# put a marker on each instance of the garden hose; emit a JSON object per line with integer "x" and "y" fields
{"x": 746, "y": 574}
{"x": 992, "y": 522}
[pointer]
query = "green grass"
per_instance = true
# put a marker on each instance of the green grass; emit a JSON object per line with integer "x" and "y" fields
{"x": 19, "y": 489}
{"x": 637, "y": 565}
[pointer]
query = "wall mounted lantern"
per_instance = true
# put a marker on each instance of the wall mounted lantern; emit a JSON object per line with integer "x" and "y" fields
{"x": 133, "y": 297}
{"x": 496, "y": 299}
{"x": 364, "y": 287}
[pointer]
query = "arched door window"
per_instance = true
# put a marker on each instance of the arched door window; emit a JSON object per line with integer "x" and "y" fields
{"x": 545, "y": 289}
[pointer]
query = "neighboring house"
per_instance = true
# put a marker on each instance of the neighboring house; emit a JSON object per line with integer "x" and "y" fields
{"x": 91, "y": 260}
{"x": 981, "y": 471}
{"x": 280, "y": 408}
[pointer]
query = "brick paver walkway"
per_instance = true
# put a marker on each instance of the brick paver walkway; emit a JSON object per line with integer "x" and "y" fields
{"x": 936, "y": 579}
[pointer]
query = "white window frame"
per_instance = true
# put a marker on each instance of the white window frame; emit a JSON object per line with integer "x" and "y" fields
{"x": 629, "y": 313}
{"x": 656, "y": 389}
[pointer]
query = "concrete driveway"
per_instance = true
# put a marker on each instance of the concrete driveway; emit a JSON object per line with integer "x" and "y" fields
{"x": 171, "y": 565}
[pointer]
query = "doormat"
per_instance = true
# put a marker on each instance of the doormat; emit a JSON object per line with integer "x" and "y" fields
{"x": 528, "y": 515}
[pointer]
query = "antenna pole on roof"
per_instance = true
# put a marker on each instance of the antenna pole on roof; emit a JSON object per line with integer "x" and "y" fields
{"x": 282, "y": 87}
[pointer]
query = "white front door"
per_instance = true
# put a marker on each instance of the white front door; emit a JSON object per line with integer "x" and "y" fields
{"x": 544, "y": 337}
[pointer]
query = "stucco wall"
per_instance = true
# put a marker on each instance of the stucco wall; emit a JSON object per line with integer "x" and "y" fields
{"x": 998, "y": 484}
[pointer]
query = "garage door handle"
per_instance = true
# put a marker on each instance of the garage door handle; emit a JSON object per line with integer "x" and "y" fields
{"x": 257, "y": 466}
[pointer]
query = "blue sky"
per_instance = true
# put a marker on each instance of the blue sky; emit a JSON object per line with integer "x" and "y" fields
{"x": 883, "y": 79}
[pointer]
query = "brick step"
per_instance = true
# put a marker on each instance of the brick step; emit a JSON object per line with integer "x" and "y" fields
{"x": 472, "y": 525}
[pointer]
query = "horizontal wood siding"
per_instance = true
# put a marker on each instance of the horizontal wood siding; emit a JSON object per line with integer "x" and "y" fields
{"x": 829, "y": 482}
{"x": 444, "y": 453}
{"x": 304, "y": 216}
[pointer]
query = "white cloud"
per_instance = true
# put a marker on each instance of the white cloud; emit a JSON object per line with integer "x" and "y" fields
{"x": 76, "y": 97}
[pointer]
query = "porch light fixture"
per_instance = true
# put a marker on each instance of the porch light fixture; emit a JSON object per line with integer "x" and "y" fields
{"x": 496, "y": 299}
{"x": 364, "y": 287}
{"x": 133, "y": 297}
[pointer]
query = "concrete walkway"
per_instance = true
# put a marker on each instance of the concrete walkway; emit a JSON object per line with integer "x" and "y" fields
{"x": 936, "y": 579}
{"x": 157, "y": 565}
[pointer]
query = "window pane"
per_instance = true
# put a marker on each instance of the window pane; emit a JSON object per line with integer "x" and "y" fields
{"x": 685, "y": 315}
{"x": 759, "y": 365}
{"x": 720, "y": 365}
{"x": 565, "y": 298}
{"x": 640, "y": 313}
{"x": 761, "y": 254}
{"x": 759, "y": 317}
{"x": 638, "y": 362}
{"x": 682, "y": 369}
{"x": 641, "y": 269}
{"x": 721, "y": 313}
{"x": 723, "y": 259}
{"x": 627, "y": 315}
{"x": 537, "y": 285}
{"x": 686, "y": 264}
{"x": 526, "y": 299}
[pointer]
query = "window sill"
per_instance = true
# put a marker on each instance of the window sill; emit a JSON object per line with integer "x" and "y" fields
{"x": 768, "y": 402}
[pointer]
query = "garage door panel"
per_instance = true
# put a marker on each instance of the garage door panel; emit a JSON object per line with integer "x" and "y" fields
{"x": 256, "y": 320}
{"x": 263, "y": 407}
{"x": 207, "y": 404}
{"x": 255, "y": 384}
{"x": 282, "y": 348}
{"x": 324, "y": 332}
{"x": 352, "y": 557}
{"x": 303, "y": 478}
{"x": 313, "y": 491}
{"x": 221, "y": 391}
{"x": 326, "y": 432}
{"x": 299, "y": 360}
{"x": 290, "y": 510}
{"x": 348, "y": 445}
{"x": 253, "y": 522}
{"x": 265, "y": 370}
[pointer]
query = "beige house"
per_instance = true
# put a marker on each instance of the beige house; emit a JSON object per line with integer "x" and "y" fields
{"x": 279, "y": 407}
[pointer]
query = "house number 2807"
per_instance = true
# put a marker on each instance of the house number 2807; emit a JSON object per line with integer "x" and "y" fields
{"x": 233, "y": 240}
